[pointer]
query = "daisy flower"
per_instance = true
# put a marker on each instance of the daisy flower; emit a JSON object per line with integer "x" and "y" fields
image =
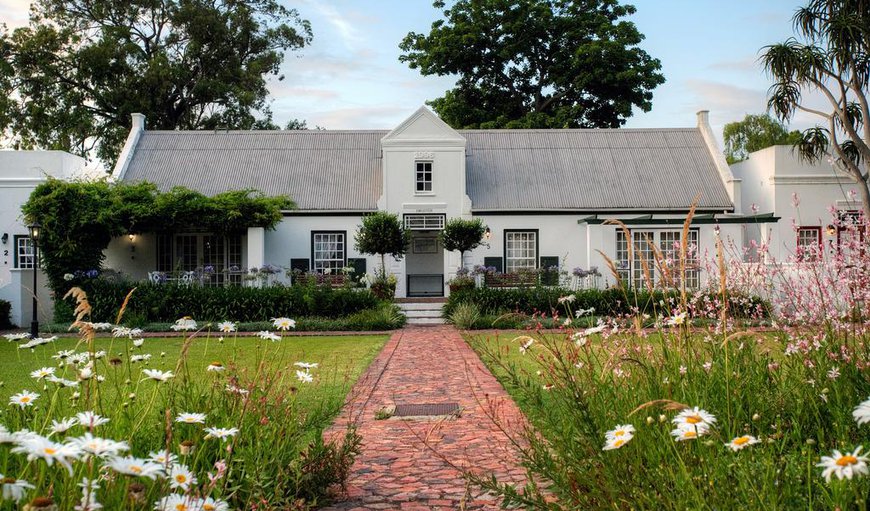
{"x": 677, "y": 319}
{"x": 616, "y": 443}
{"x": 102, "y": 326}
{"x": 62, "y": 382}
{"x": 304, "y": 376}
{"x": 63, "y": 354}
{"x": 37, "y": 447}
{"x": 45, "y": 372}
{"x": 844, "y": 466}
{"x": 157, "y": 375}
{"x": 620, "y": 431}
{"x": 136, "y": 467}
{"x": 23, "y": 399}
{"x": 694, "y": 417}
{"x": 210, "y": 504}
{"x": 682, "y": 433}
{"x": 175, "y": 502}
{"x": 215, "y": 367}
{"x": 221, "y": 433}
{"x": 269, "y": 336}
{"x": 100, "y": 447}
{"x": 227, "y": 327}
{"x": 140, "y": 358}
{"x": 162, "y": 458}
{"x": 741, "y": 442}
{"x": 13, "y": 489}
{"x": 184, "y": 324}
{"x": 862, "y": 412}
{"x": 566, "y": 299}
{"x": 307, "y": 365}
{"x": 191, "y": 418}
{"x": 138, "y": 342}
{"x": 181, "y": 477}
{"x": 63, "y": 425}
{"x": 524, "y": 347}
{"x": 90, "y": 419}
{"x": 17, "y": 337}
{"x": 283, "y": 324}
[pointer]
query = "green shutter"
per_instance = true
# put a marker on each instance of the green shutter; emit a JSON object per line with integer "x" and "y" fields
{"x": 495, "y": 262}
{"x": 549, "y": 277}
{"x": 299, "y": 265}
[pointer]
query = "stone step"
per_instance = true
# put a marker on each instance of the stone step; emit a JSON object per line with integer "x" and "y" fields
{"x": 422, "y": 313}
{"x": 420, "y": 306}
{"x": 426, "y": 321}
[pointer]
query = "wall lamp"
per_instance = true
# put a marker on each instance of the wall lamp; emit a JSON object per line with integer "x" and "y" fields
{"x": 5, "y": 238}
{"x": 487, "y": 234}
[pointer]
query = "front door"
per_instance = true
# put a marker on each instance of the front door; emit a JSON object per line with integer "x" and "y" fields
{"x": 424, "y": 265}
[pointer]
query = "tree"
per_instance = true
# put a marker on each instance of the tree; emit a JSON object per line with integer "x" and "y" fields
{"x": 381, "y": 233}
{"x": 462, "y": 235}
{"x": 536, "y": 63}
{"x": 753, "y": 133}
{"x": 72, "y": 77}
{"x": 833, "y": 59}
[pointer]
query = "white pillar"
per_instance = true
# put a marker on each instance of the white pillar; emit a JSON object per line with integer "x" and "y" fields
{"x": 256, "y": 247}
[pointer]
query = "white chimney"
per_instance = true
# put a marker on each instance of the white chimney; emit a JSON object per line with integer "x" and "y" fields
{"x": 138, "y": 122}
{"x": 137, "y": 127}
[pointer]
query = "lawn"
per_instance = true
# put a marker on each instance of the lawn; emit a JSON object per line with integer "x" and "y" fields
{"x": 773, "y": 407}
{"x": 242, "y": 417}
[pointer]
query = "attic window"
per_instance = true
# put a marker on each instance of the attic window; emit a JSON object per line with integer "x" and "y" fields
{"x": 423, "y": 177}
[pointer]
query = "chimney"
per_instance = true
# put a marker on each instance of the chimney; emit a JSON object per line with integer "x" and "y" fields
{"x": 703, "y": 118}
{"x": 138, "y": 122}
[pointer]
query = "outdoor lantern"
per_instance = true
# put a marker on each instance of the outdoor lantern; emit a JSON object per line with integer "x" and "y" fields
{"x": 487, "y": 234}
{"x": 831, "y": 230}
{"x": 35, "y": 231}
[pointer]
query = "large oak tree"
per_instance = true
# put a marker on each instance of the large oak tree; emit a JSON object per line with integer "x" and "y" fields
{"x": 536, "y": 63}
{"x": 71, "y": 79}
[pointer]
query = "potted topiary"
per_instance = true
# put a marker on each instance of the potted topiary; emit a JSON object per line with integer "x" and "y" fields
{"x": 381, "y": 233}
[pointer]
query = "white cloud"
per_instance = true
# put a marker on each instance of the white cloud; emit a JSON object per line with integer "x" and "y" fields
{"x": 14, "y": 13}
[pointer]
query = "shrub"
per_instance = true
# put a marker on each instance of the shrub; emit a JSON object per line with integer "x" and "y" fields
{"x": 152, "y": 303}
{"x": 465, "y": 315}
{"x": 5, "y": 315}
{"x": 385, "y": 317}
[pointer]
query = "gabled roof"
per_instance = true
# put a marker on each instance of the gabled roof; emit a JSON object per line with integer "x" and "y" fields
{"x": 584, "y": 170}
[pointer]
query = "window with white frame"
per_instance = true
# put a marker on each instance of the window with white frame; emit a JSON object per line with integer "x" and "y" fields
{"x": 328, "y": 251}
{"x": 520, "y": 250}
{"x": 423, "y": 177}
{"x": 215, "y": 256}
{"x": 424, "y": 222}
{"x": 643, "y": 266}
{"x": 809, "y": 243}
{"x": 24, "y": 259}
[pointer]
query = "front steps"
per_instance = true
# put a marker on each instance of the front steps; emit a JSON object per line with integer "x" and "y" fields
{"x": 422, "y": 311}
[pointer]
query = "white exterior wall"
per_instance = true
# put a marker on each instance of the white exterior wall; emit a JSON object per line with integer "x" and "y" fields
{"x": 20, "y": 173}
{"x": 775, "y": 174}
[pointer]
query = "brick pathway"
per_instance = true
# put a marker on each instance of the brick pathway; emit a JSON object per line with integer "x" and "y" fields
{"x": 396, "y": 469}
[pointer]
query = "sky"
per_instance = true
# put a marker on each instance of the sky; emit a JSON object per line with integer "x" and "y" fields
{"x": 350, "y": 76}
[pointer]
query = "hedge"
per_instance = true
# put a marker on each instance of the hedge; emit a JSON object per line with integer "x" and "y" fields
{"x": 5, "y": 315}
{"x": 158, "y": 303}
{"x": 606, "y": 302}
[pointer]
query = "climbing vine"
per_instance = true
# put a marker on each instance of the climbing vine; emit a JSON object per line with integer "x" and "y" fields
{"x": 79, "y": 219}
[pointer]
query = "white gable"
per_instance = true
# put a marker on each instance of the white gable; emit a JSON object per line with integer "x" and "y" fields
{"x": 423, "y": 128}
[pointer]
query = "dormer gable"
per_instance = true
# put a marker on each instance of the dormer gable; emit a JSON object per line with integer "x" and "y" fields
{"x": 423, "y": 128}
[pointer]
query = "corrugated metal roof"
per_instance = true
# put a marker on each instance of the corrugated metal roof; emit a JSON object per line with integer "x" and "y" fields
{"x": 319, "y": 170}
{"x": 591, "y": 170}
{"x": 505, "y": 169}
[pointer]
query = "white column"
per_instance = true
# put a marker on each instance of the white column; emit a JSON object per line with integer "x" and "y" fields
{"x": 256, "y": 247}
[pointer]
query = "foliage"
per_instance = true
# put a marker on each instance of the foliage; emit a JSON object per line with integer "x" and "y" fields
{"x": 536, "y": 63}
{"x": 464, "y": 315}
{"x": 607, "y": 302}
{"x": 753, "y": 133}
{"x": 78, "y": 71}
{"x": 462, "y": 235}
{"x": 79, "y": 219}
{"x": 5, "y": 315}
{"x": 831, "y": 58}
{"x": 382, "y": 233}
{"x": 167, "y": 302}
{"x": 276, "y": 459}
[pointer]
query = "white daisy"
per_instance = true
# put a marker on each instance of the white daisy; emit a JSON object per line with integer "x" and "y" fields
{"x": 100, "y": 447}
{"x": 181, "y": 477}
{"x": 686, "y": 432}
{"x": 23, "y": 399}
{"x": 694, "y": 417}
{"x": 157, "y": 375}
{"x": 63, "y": 425}
{"x": 176, "y": 502}
{"x": 140, "y": 358}
{"x": 307, "y": 365}
{"x": 163, "y": 458}
{"x": 861, "y": 413}
{"x": 844, "y": 466}
{"x": 304, "y": 376}
{"x": 35, "y": 446}
{"x": 102, "y": 326}
{"x": 90, "y": 419}
{"x": 227, "y": 327}
{"x": 566, "y": 299}
{"x": 283, "y": 324}
{"x": 62, "y": 382}
{"x": 210, "y": 504}
{"x": 741, "y": 442}
{"x": 616, "y": 443}
{"x": 138, "y": 342}
{"x": 136, "y": 467}
{"x": 620, "y": 431}
{"x": 215, "y": 367}
{"x": 269, "y": 336}
{"x": 191, "y": 418}
{"x": 17, "y": 337}
{"x": 45, "y": 372}
{"x": 221, "y": 433}
{"x": 184, "y": 324}
{"x": 13, "y": 489}
{"x": 677, "y": 319}
{"x": 63, "y": 354}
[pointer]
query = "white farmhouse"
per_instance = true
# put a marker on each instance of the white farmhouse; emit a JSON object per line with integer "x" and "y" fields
{"x": 544, "y": 195}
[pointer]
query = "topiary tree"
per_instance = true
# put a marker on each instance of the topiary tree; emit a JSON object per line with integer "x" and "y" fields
{"x": 462, "y": 235}
{"x": 380, "y": 234}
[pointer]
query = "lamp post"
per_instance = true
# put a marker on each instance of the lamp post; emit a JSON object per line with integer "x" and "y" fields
{"x": 35, "y": 232}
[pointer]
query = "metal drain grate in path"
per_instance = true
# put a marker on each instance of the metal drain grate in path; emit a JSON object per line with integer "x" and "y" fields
{"x": 426, "y": 409}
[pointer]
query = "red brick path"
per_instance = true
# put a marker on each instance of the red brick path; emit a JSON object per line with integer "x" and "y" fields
{"x": 396, "y": 469}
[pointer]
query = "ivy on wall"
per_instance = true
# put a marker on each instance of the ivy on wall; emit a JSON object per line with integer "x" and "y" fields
{"x": 79, "y": 219}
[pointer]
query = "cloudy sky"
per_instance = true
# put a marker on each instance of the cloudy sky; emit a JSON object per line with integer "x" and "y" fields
{"x": 350, "y": 76}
